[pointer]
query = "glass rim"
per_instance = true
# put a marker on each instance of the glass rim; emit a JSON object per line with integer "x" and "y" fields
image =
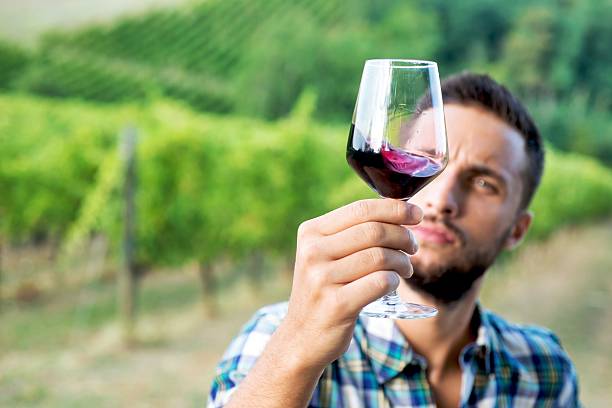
{"x": 397, "y": 63}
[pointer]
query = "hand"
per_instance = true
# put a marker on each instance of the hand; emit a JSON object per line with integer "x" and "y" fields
{"x": 345, "y": 259}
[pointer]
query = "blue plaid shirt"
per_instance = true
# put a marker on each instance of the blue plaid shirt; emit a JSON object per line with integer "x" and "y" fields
{"x": 508, "y": 366}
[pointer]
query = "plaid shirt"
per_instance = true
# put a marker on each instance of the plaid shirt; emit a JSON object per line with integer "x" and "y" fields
{"x": 507, "y": 366}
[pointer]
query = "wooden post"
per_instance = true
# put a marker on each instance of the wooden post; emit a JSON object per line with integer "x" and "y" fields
{"x": 128, "y": 276}
{"x": 208, "y": 286}
{"x": 255, "y": 272}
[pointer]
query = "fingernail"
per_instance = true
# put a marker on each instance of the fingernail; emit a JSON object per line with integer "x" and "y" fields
{"x": 416, "y": 212}
{"x": 411, "y": 268}
{"x": 415, "y": 242}
{"x": 394, "y": 279}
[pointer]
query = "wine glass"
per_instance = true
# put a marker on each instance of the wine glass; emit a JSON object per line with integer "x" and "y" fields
{"x": 397, "y": 144}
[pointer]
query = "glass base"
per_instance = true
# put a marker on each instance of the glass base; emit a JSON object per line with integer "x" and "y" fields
{"x": 392, "y": 307}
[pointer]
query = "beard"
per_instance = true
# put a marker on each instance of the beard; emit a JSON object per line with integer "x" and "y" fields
{"x": 450, "y": 282}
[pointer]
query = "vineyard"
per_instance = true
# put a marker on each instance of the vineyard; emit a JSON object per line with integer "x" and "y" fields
{"x": 227, "y": 56}
{"x": 208, "y": 186}
{"x": 238, "y": 111}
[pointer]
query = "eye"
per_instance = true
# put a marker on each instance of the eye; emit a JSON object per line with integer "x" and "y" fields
{"x": 485, "y": 185}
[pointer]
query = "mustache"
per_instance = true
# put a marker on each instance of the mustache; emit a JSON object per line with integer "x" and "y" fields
{"x": 448, "y": 224}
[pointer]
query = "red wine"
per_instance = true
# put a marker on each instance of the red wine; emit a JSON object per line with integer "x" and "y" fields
{"x": 391, "y": 172}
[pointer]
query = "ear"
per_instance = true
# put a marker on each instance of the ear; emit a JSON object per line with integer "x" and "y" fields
{"x": 519, "y": 229}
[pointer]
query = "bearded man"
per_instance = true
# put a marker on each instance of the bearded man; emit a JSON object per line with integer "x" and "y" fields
{"x": 317, "y": 351}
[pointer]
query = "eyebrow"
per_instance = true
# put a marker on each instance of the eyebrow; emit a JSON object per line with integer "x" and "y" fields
{"x": 487, "y": 171}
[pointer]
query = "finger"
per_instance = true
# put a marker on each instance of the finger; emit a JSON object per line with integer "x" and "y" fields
{"x": 355, "y": 295}
{"x": 368, "y": 235}
{"x": 387, "y": 210}
{"x": 362, "y": 263}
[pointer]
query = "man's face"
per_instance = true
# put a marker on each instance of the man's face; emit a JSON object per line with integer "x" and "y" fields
{"x": 471, "y": 210}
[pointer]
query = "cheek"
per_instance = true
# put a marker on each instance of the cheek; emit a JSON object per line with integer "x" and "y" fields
{"x": 486, "y": 218}
{"x": 420, "y": 198}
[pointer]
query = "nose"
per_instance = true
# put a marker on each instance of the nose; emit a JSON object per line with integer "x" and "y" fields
{"x": 443, "y": 195}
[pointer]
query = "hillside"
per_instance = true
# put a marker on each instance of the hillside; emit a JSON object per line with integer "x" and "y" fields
{"x": 25, "y": 20}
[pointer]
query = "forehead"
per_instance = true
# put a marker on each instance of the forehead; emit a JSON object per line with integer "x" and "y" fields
{"x": 479, "y": 137}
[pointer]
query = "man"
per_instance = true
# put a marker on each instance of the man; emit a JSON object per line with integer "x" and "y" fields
{"x": 317, "y": 351}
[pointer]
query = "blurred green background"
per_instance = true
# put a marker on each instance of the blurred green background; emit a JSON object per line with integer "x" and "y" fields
{"x": 240, "y": 111}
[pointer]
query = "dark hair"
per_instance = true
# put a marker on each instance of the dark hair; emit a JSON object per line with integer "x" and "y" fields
{"x": 481, "y": 90}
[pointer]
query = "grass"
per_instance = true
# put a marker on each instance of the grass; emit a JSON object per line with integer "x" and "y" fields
{"x": 82, "y": 310}
{"x": 66, "y": 350}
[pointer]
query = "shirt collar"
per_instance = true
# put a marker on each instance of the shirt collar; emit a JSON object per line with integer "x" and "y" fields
{"x": 389, "y": 352}
{"x": 486, "y": 346}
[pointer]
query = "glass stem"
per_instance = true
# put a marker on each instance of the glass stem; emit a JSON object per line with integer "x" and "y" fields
{"x": 391, "y": 298}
